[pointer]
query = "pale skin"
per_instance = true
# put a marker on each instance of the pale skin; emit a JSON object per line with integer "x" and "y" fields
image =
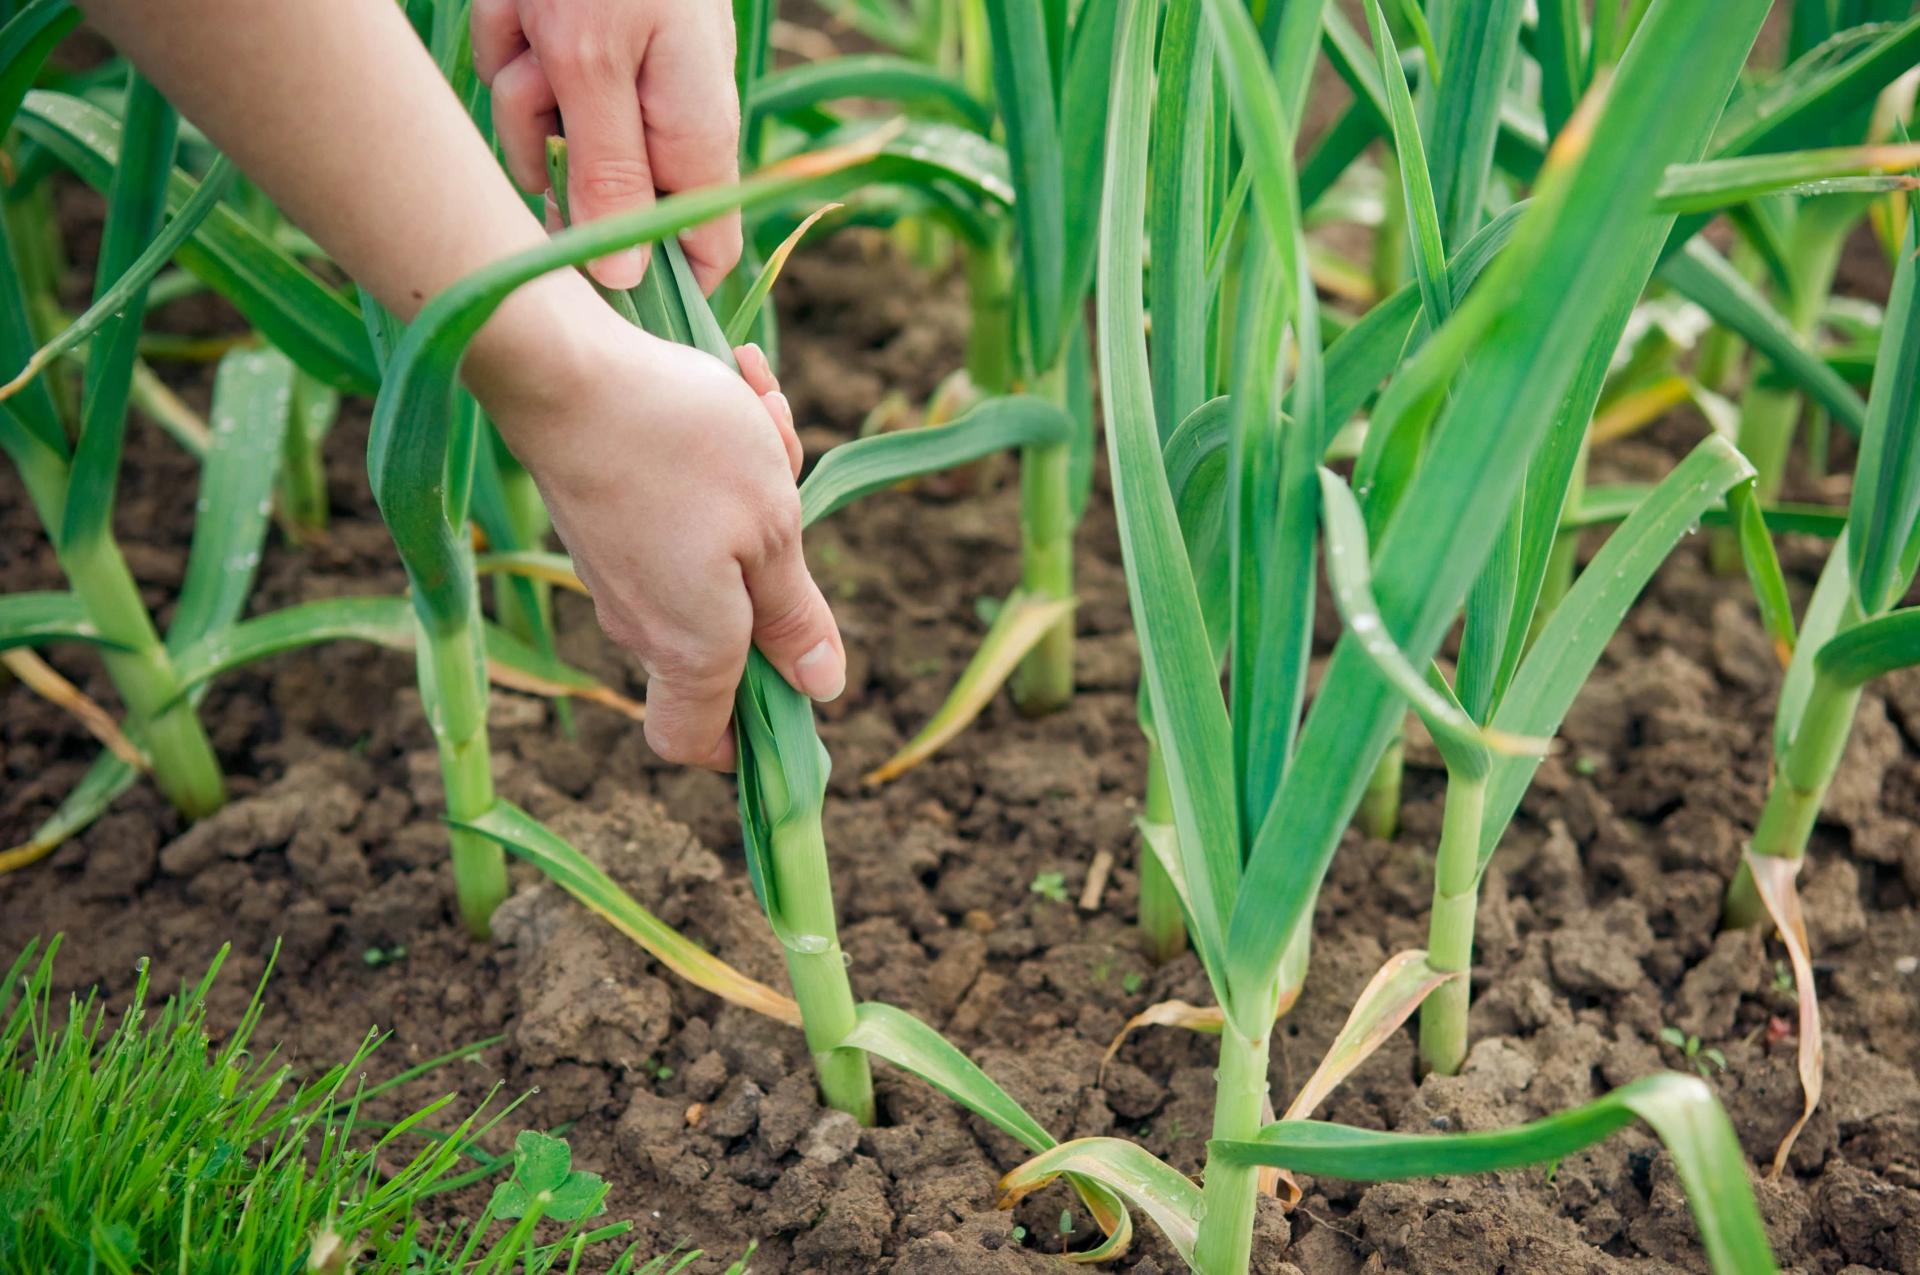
{"x": 670, "y": 479}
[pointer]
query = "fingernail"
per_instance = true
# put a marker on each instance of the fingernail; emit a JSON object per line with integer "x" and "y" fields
{"x": 621, "y": 270}
{"x": 753, "y": 354}
{"x": 822, "y": 675}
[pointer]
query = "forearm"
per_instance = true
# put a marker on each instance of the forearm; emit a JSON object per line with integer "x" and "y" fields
{"x": 338, "y": 113}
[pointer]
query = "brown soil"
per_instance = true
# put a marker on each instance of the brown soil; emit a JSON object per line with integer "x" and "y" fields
{"x": 1597, "y": 923}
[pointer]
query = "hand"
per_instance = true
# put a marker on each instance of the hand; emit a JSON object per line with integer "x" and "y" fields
{"x": 671, "y": 481}
{"x": 647, "y": 93}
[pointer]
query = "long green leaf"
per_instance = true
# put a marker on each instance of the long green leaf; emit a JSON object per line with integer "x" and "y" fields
{"x": 1588, "y": 235}
{"x": 1717, "y": 183}
{"x": 1178, "y": 666}
{"x": 881, "y": 76}
{"x": 1416, "y": 179}
{"x": 1177, "y": 214}
{"x": 1571, "y": 643}
{"x": 1482, "y": 38}
{"x": 252, "y": 405}
{"x": 1083, "y": 131}
{"x": 1024, "y": 82}
{"x": 866, "y": 465}
{"x": 136, "y": 200}
{"x": 1681, "y": 1110}
{"x": 1886, "y": 488}
{"x": 295, "y": 311}
{"x": 1829, "y": 611}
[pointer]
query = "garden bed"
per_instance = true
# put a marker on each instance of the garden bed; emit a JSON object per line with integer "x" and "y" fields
{"x": 1597, "y": 925}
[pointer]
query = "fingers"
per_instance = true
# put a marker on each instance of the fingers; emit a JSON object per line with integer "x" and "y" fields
{"x": 593, "y": 73}
{"x": 695, "y": 653}
{"x": 524, "y": 117}
{"x": 793, "y": 626}
{"x": 692, "y": 110}
{"x": 759, "y": 376}
{"x": 497, "y": 37}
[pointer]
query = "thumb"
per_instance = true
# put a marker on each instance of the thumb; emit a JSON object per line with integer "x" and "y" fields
{"x": 793, "y": 626}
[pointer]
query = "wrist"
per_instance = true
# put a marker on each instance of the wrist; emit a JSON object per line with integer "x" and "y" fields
{"x": 547, "y": 340}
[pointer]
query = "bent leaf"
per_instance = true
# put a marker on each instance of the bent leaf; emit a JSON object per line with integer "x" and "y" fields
{"x": 866, "y": 465}
{"x": 36, "y": 618}
{"x": 528, "y": 838}
{"x": 908, "y": 1043}
{"x": 1169, "y": 1198}
{"x": 1681, "y": 1110}
{"x": 1024, "y": 619}
{"x": 741, "y": 324}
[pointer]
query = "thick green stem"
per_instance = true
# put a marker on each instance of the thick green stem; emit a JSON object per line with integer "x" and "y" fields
{"x": 1044, "y": 680}
{"x": 162, "y": 720}
{"x": 1456, "y": 888}
{"x": 1163, "y": 927}
{"x": 990, "y": 336}
{"x": 1798, "y": 788}
{"x": 817, "y": 967}
{"x": 1225, "y": 1244}
{"x": 453, "y": 676}
{"x": 1380, "y": 804}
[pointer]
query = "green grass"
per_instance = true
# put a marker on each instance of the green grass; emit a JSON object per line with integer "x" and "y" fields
{"x": 162, "y": 1141}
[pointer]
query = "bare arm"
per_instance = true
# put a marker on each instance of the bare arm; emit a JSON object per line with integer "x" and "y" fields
{"x": 670, "y": 484}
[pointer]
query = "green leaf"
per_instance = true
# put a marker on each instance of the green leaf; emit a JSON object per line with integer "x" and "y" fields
{"x": 866, "y": 465}
{"x": 1416, "y": 181}
{"x": 1762, "y": 566}
{"x": 1024, "y": 82}
{"x": 1681, "y": 1110}
{"x": 252, "y": 403}
{"x": 527, "y": 838}
{"x": 1177, "y": 214}
{"x": 1716, "y": 183}
{"x": 296, "y": 312}
{"x": 34, "y": 619}
{"x": 1706, "y": 278}
{"x": 1563, "y": 657}
{"x": 510, "y": 1200}
{"x": 1083, "y": 131}
{"x": 1130, "y": 1170}
{"x": 1886, "y": 489}
{"x": 25, "y": 42}
{"x": 1872, "y": 648}
{"x": 1482, "y": 38}
{"x": 1828, "y": 611}
{"x": 135, "y": 202}
{"x": 879, "y": 76}
{"x": 541, "y": 1162}
{"x": 1177, "y": 661}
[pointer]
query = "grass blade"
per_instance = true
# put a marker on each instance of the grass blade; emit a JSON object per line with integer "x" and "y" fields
{"x": 1483, "y": 38}
{"x": 25, "y": 42}
{"x": 1716, "y": 183}
{"x": 1126, "y": 1169}
{"x": 740, "y": 326}
{"x": 882, "y": 76}
{"x": 1024, "y": 83}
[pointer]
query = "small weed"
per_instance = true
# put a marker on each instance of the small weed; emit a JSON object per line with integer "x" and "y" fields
{"x": 1131, "y": 984}
{"x": 545, "y": 1183}
{"x": 375, "y": 957}
{"x": 1050, "y": 885}
{"x": 1703, "y": 1060}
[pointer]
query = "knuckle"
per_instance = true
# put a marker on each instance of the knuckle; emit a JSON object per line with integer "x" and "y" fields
{"x": 786, "y": 625}
{"x": 672, "y": 744}
{"x": 612, "y": 177}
